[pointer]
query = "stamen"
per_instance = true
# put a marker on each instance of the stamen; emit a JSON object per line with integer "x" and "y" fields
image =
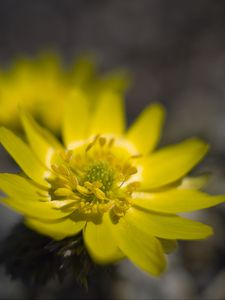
{"x": 54, "y": 168}
{"x": 102, "y": 141}
{"x": 131, "y": 170}
{"x": 92, "y": 143}
{"x": 74, "y": 181}
{"x": 66, "y": 155}
{"x": 99, "y": 194}
{"x": 63, "y": 170}
{"x": 83, "y": 190}
{"x": 63, "y": 192}
{"x": 111, "y": 142}
{"x": 95, "y": 183}
{"x": 58, "y": 204}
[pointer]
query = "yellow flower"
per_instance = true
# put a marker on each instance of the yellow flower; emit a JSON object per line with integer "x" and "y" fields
{"x": 108, "y": 183}
{"x": 40, "y": 84}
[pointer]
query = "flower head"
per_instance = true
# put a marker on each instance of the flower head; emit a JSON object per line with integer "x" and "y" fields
{"x": 39, "y": 84}
{"x": 107, "y": 182}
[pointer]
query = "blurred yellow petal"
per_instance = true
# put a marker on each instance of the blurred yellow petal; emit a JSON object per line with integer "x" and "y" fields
{"x": 108, "y": 117}
{"x": 171, "y": 163}
{"x": 83, "y": 71}
{"x": 167, "y": 226}
{"x": 42, "y": 142}
{"x": 58, "y": 230}
{"x": 23, "y": 156}
{"x": 100, "y": 242}
{"x": 118, "y": 80}
{"x": 75, "y": 118}
{"x": 139, "y": 246}
{"x": 146, "y": 130}
{"x": 194, "y": 182}
{"x": 176, "y": 201}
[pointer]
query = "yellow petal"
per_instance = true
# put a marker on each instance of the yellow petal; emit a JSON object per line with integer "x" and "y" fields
{"x": 75, "y": 119}
{"x": 17, "y": 186}
{"x": 168, "y": 226}
{"x": 34, "y": 209}
{"x": 23, "y": 156}
{"x": 100, "y": 242}
{"x": 196, "y": 182}
{"x": 139, "y": 246}
{"x": 146, "y": 130}
{"x": 117, "y": 80}
{"x": 108, "y": 117}
{"x": 42, "y": 142}
{"x": 57, "y": 231}
{"x": 176, "y": 201}
{"x": 171, "y": 163}
{"x": 83, "y": 71}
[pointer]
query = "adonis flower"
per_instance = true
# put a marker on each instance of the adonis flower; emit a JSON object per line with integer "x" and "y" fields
{"x": 39, "y": 84}
{"x": 108, "y": 182}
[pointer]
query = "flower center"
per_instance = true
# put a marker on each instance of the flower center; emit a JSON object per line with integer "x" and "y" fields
{"x": 94, "y": 178}
{"x": 101, "y": 172}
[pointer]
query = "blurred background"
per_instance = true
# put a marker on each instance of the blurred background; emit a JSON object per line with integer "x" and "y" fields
{"x": 175, "y": 52}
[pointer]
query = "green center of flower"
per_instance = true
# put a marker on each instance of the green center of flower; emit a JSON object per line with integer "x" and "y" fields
{"x": 94, "y": 178}
{"x": 101, "y": 172}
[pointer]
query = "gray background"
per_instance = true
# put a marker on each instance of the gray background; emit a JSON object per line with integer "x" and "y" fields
{"x": 175, "y": 51}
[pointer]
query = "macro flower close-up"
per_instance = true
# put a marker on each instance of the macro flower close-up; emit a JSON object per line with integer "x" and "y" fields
{"x": 108, "y": 181}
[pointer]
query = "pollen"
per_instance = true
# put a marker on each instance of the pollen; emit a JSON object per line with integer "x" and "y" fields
{"x": 95, "y": 177}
